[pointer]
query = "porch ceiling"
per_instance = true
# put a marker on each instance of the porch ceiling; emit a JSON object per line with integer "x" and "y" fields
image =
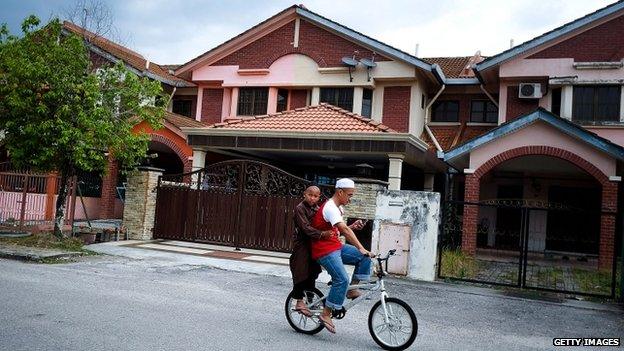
{"x": 538, "y": 165}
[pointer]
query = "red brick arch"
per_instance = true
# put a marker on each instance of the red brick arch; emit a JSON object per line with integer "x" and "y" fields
{"x": 609, "y": 197}
{"x": 188, "y": 165}
{"x": 545, "y": 151}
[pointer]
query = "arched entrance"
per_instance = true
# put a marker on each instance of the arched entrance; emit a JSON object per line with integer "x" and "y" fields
{"x": 166, "y": 154}
{"x": 538, "y": 217}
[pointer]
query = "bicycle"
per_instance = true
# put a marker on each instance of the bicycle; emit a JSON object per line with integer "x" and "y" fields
{"x": 391, "y": 321}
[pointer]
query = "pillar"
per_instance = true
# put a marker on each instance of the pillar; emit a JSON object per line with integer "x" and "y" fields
{"x": 471, "y": 214}
{"x": 199, "y": 162}
{"x": 395, "y": 169}
{"x": 50, "y": 196}
{"x": 316, "y": 96}
{"x": 567, "y": 91}
{"x": 607, "y": 225}
{"x": 272, "y": 102}
{"x": 358, "y": 95}
{"x": 234, "y": 103}
{"x": 140, "y": 206}
{"x": 200, "y": 100}
{"x": 109, "y": 190}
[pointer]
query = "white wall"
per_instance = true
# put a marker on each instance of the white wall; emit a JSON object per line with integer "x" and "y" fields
{"x": 414, "y": 215}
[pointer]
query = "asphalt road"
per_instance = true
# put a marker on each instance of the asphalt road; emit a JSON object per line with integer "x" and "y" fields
{"x": 111, "y": 303}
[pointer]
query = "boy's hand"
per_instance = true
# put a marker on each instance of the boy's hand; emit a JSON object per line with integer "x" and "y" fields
{"x": 326, "y": 234}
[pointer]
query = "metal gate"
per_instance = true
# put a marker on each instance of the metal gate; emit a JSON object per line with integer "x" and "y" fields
{"x": 527, "y": 244}
{"x": 238, "y": 203}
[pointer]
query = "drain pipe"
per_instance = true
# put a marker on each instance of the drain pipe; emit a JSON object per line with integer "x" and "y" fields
{"x": 427, "y": 113}
{"x": 488, "y": 95}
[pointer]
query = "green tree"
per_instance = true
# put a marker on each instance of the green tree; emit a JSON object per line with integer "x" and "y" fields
{"x": 60, "y": 113}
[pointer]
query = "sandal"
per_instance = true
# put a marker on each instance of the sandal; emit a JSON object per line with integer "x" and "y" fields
{"x": 304, "y": 311}
{"x": 327, "y": 324}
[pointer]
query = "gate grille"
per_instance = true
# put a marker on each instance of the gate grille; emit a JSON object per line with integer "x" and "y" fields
{"x": 238, "y": 203}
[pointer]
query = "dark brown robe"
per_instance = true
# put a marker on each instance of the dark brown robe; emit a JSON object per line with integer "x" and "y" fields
{"x": 301, "y": 264}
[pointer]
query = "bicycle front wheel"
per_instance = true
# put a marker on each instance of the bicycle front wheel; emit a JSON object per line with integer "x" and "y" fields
{"x": 401, "y": 329}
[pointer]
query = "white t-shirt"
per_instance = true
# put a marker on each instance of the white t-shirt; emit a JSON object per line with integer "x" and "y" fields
{"x": 332, "y": 213}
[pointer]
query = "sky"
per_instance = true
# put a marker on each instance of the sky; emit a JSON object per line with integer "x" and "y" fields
{"x": 176, "y": 31}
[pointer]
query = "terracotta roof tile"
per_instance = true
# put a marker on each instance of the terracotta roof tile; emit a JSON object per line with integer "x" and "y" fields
{"x": 320, "y": 118}
{"x": 182, "y": 121}
{"x": 132, "y": 58}
{"x": 456, "y": 67}
{"x": 448, "y": 137}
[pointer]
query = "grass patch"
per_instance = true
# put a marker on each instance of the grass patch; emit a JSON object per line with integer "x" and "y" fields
{"x": 457, "y": 264}
{"x": 48, "y": 241}
{"x": 598, "y": 282}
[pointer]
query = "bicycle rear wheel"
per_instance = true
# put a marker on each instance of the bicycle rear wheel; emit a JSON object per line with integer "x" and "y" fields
{"x": 299, "y": 322}
{"x": 402, "y": 327}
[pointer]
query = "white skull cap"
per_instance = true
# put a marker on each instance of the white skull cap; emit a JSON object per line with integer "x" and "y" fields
{"x": 345, "y": 183}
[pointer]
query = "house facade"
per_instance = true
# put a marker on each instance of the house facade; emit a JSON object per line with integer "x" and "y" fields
{"x": 542, "y": 122}
{"x": 539, "y": 123}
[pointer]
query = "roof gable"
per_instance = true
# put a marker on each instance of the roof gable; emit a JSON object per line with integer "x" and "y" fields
{"x": 554, "y": 34}
{"x": 288, "y": 15}
{"x": 318, "y": 118}
{"x": 540, "y": 114}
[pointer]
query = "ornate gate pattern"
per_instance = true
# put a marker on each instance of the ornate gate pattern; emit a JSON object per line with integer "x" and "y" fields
{"x": 239, "y": 203}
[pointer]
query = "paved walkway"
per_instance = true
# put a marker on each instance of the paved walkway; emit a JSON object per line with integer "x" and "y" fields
{"x": 174, "y": 252}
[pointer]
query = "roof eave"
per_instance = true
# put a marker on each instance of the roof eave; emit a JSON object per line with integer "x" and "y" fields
{"x": 564, "y": 126}
{"x": 301, "y": 134}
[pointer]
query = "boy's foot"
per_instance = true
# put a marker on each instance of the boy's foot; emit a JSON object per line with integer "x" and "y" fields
{"x": 302, "y": 308}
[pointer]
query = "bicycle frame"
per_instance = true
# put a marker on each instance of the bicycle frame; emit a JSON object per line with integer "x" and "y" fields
{"x": 369, "y": 289}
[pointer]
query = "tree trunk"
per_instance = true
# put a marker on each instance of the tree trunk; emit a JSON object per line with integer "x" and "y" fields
{"x": 61, "y": 203}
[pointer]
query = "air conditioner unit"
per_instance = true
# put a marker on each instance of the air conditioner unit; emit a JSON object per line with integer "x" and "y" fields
{"x": 530, "y": 91}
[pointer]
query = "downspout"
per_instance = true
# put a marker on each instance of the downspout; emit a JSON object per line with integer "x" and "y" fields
{"x": 488, "y": 95}
{"x": 427, "y": 113}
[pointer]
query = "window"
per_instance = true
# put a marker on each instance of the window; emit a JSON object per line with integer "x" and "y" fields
{"x": 252, "y": 101}
{"x": 183, "y": 107}
{"x": 367, "y": 103}
{"x": 596, "y": 103}
{"x": 445, "y": 111}
{"x": 483, "y": 111}
{"x": 282, "y": 100}
{"x": 340, "y": 97}
{"x": 556, "y": 101}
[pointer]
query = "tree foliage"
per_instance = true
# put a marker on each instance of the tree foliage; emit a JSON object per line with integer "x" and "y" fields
{"x": 60, "y": 113}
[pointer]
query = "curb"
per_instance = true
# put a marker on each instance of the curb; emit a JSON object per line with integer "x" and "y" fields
{"x": 30, "y": 257}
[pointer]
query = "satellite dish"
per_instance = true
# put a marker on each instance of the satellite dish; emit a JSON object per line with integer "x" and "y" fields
{"x": 349, "y": 61}
{"x": 368, "y": 63}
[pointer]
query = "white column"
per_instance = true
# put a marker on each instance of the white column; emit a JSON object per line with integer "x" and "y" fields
{"x": 395, "y": 168}
{"x": 272, "y": 103}
{"x": 200, "y": 99}
{"x": 226, "y": 106}
{"x": 199, "y": 162}
{"x": 358, "y": 94}
{"x": 234, "y": 103}
{"x": 428, "y": 183}
{"x": 566, "y": 101}
{"x": 316, "y": 96}
{"x": 377, "y": 112}
{"x": 622, "y": 103}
